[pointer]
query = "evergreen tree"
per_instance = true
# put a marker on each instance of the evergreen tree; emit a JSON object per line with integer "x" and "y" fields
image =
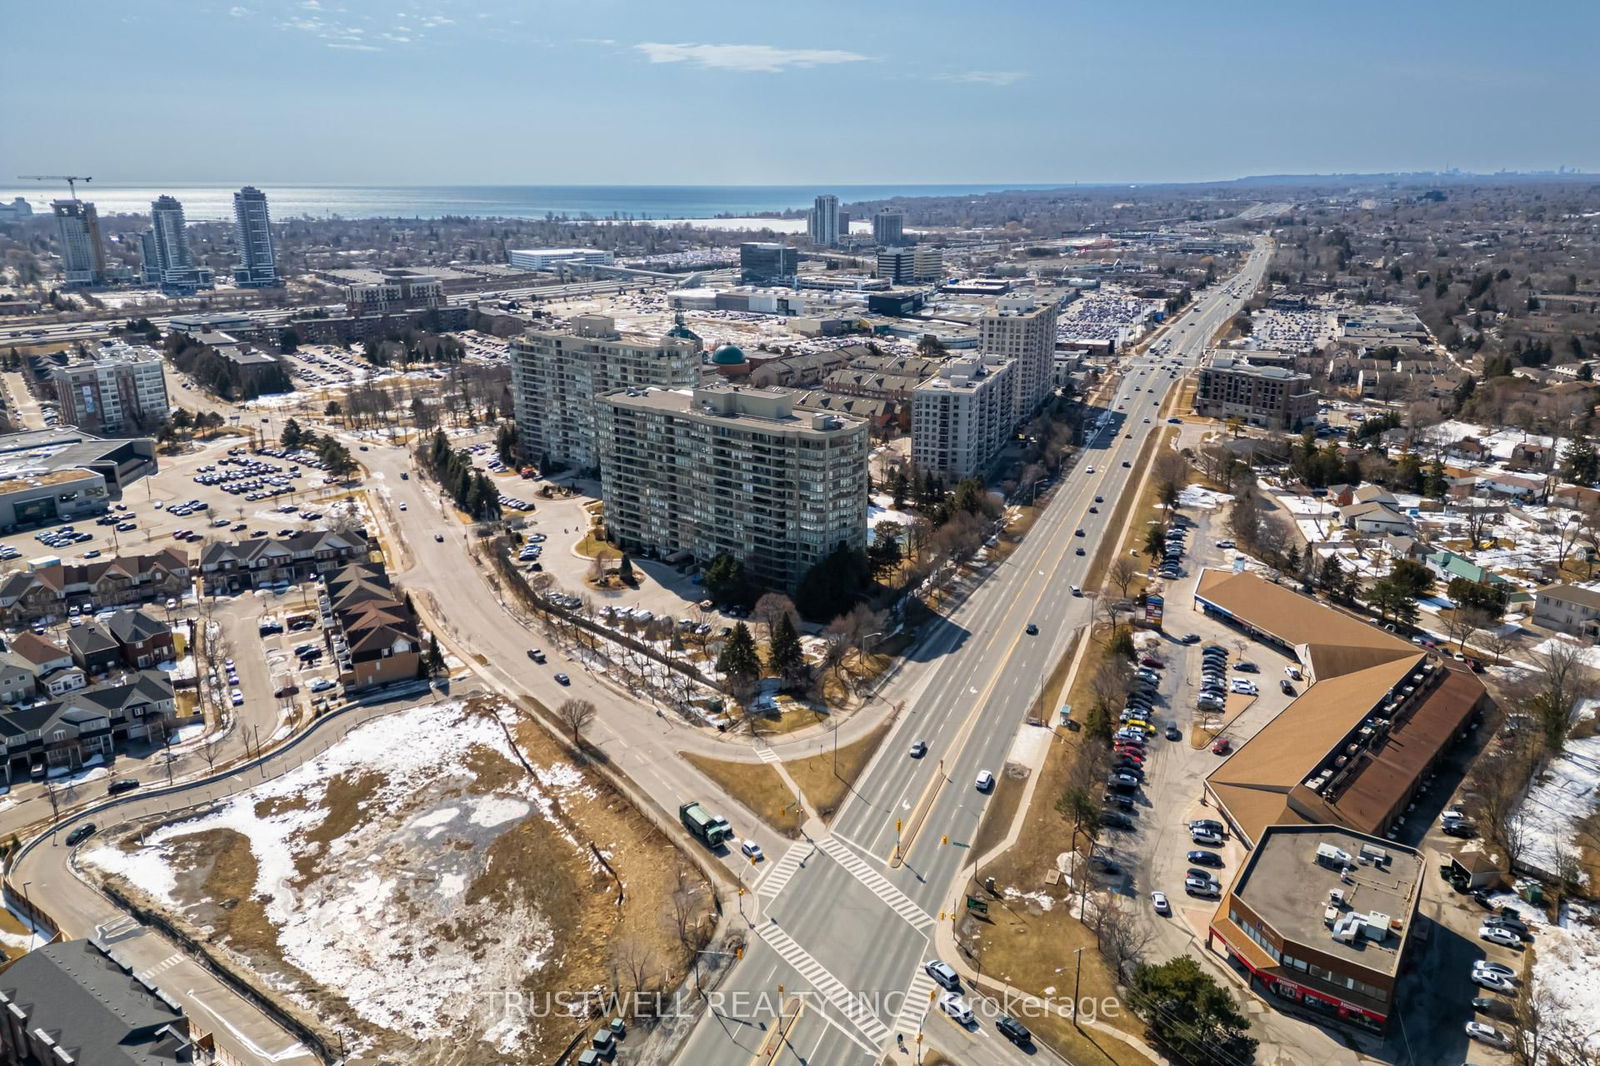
{"x": 725, "y": 579}
{"x": 738, "y": 660}
{"x": 785, "y": 656}
{"x": 625, "y": 570}
{"x": 885, "y": 553}
{"x": 1192, "y": 1014}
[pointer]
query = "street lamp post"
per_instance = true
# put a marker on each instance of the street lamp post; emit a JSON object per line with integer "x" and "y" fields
{"x": 1077, "y": 976}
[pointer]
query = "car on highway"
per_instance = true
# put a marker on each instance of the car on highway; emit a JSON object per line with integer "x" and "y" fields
{"x": 1076, "y": 591}
{"x": 985, "y": 781}
{"x": 751, "y": 850}
{"x": 943, "y": 973}
{"x": 1032, "y": 630}
{"x": 1496, "y": 934}
{"x": 956, "y": 1007}
{"x": 1099, "y": 499}
{"x": 1159, "y": 901}
{"x": 919, "y": 748}
{"x": 1013, "y": 1030}
{"x": 563, "y": 679}
{"x": 439, "y": 537}
{"x": 1078, "y": 533}
{"x": 80, "y": 834}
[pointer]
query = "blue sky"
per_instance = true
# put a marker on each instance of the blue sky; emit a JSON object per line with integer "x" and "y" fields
{"x": 660, "y": 92}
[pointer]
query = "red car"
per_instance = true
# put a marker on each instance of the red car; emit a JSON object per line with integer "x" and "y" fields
{"x": 1152, "y": 662}
{"x": 1222, "y": 746}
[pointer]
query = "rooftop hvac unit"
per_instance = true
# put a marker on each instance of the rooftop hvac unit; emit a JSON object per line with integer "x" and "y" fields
{"x": 1375, "y": 926}
{"x": 1336, "y": 896}
{"x": 1330, "y": 855}
{"x": 1376, "y": 854}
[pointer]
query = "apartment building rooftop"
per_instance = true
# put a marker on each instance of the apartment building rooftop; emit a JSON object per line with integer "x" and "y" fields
{"x": 1243, "y": 366}
{"x": 748, "y": 406}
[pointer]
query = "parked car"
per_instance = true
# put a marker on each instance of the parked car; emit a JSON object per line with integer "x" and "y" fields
{"x": 1205, "y": 836}
{"x": 1488, "y": 1034}
{"x": 1498, "y": 968}
{"x": 1205, "y": 858}
{"x": 1496, "y": 934}
{"x": 1495, "y": 982}
{"x": 1201, "y": 886}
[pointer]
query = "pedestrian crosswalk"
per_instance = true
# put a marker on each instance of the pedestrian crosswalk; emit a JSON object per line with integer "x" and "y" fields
{"x": 880, "y": 886}
{"x": 832, "y": 989}
{"x": 783, "y": 871}
{"x": 919, "y": 997}
{"x": 163, "y": 966}
{"x": 767, "y": 755}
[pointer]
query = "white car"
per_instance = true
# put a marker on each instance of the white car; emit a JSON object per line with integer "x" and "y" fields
{"x": 1243, "y": 686}
{"x": 1495, "y": 934}
{"x": 944, "y": 973}
{"x": 751, "y": 850}
{"x": 956, "y": 1007}
{"x": 1493, "y": 981}
{"x": 1159, "y": 901}
{"x": 1205, "y": 836}
{"x": 236, "y": 698}
{"x": 985, "y": 781}
{"x": 1488, "y": 1034}
{"x": 323, "y": 684}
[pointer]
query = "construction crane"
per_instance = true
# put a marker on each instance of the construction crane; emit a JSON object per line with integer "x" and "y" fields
{"x": 71, "y": 180}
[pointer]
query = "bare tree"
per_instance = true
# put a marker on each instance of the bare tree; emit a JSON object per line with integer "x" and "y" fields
{"x": 1498, "y": 640}
{"x": 1123, "y": 938}
{"x": 576, "y": 714}
{"x": 1110, "y": 682}
{"x": 632, "y": 960}
{"x": 770, "y": 608}
{"x": 1561, "y": 676}
{"x": 1463, "y": 622}
{"x": 1124, "y": 571}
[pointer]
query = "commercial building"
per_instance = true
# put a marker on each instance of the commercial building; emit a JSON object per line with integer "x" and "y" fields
{"x": 1322, "y": 917}
{"x": 379, "y": 292}
{"x": 73, "y": 1001}
{"x": 1023, "y": 329}
{"x": 1267, "y": 397}
{"x": 215, "y": 322}
{"x": 961, "y": 416}
{"x": 906, "y": 266}
{"x": 557, "y": 377}
{"x": 888, "y": 228}
{"x": 1568, "y": 609}
{"x": 124, "y": 388}
{"x": 1352, "y": 750}
{"x": 823, "y": 225}
{"x": 549, "y": 258}
{"x": 83, "y": 254}
{"x": 252, "y": 238}
{"x": 768, "y": 263}
{"x": 50, "y": 476}
{"x": 732, "y": 470}
{"x": 165, "y": 249}
{"x": 18, "y": 210}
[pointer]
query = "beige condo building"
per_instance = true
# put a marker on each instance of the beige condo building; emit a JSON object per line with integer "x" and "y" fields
{"x": 557, "y": 377}
{"x": 729, "y": 469}
{"x": 1023, "y": 328}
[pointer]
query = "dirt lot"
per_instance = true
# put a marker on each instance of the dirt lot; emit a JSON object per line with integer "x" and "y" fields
{"x": 398, "y": 895}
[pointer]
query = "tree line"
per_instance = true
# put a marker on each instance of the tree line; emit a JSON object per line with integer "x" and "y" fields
{"x": 472, "y": 490}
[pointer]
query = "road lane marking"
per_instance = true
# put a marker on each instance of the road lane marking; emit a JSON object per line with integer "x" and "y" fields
{"x": 880, "y": 886}
{"x": 832, "y": 989}
{"x": 782, "y": 872}
{"x": 917, "y": 1003}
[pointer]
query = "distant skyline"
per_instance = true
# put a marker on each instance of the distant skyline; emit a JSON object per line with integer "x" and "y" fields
{"x": 631, "y": 92}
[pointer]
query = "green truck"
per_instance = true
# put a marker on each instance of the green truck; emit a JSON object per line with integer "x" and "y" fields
{"x": 707, "y": 828}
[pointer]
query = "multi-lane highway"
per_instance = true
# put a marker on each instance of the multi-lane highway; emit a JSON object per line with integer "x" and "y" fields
{"x": 843, "y": 922}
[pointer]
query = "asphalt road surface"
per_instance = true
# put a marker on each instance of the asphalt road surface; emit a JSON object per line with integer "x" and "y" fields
{"x": 842, "y": 922}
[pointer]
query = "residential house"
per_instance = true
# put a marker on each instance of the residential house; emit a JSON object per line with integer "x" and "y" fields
{"x": 1522, "y": 488}
{"x": 1568, "y": 609}
{"x": 143, "y": 640}
{"x": 94, "y": 650}
{"x": 1373, "y": 494}
{"x": 262, "y": 561}
{"x": 16, "y": 678}
{"x": 72, "y": 1001}
{"x": 46, "y": 592}
{"x": 53, "y": 668}
{"x": 1468, "y": 450}
{"x": 1532, "y": 456}
{"x": 1341, "y": 495}
{"x": 377, "y": 640}
{"x": 1378, "y": 518}
{"x": 1447, "y": 566}
{"x": 1404, "y": 547}
{"x": 82, "y": 728}
{"x": 1577, "y": 497}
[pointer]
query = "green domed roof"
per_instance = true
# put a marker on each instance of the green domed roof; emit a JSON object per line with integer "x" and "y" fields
{"x": 727, "y": 355}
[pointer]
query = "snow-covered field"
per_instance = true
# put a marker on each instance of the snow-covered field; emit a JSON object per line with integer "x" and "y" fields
{"x": 1566, "y": 982}
{"x": 397, "y": 913}
{"x": 1566, "y": 793}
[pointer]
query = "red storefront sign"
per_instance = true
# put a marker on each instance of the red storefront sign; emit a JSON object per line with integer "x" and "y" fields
{"x": 1288, "y": 985}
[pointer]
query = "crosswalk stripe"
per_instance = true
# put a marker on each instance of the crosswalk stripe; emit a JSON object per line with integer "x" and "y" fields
{"x": 880, "y": 886}
{"x": 766, "y": 754}
{"x": 916, "y": 1004}
{"x": 784, "y": 869}
{"x": 832, "y": 989}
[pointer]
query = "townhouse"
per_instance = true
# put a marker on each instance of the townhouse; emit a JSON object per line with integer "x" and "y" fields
{"x": 227, "y": 568}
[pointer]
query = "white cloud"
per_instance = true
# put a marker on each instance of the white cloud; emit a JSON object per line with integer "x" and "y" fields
{"x": 238, "y": 12}
{"x": 746, "y": 58}
{"x": 311, "y": 5}
{"x": 986, "y": 77}
{"x": 348, "y": 47}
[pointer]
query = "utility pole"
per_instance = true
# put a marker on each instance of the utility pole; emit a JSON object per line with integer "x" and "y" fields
{"x": 1077, "y": 976}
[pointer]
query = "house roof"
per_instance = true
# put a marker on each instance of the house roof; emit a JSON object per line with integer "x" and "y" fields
{"x": 97, "y": 1009}
{"x": 91, "y": 640}
{"x": 37, "y": 650}
{"x": 133, "y": 626}
{"x": 280, "y": 549}
{"x": 1330, "y": 641}
{"x": 1572, "y": 594}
